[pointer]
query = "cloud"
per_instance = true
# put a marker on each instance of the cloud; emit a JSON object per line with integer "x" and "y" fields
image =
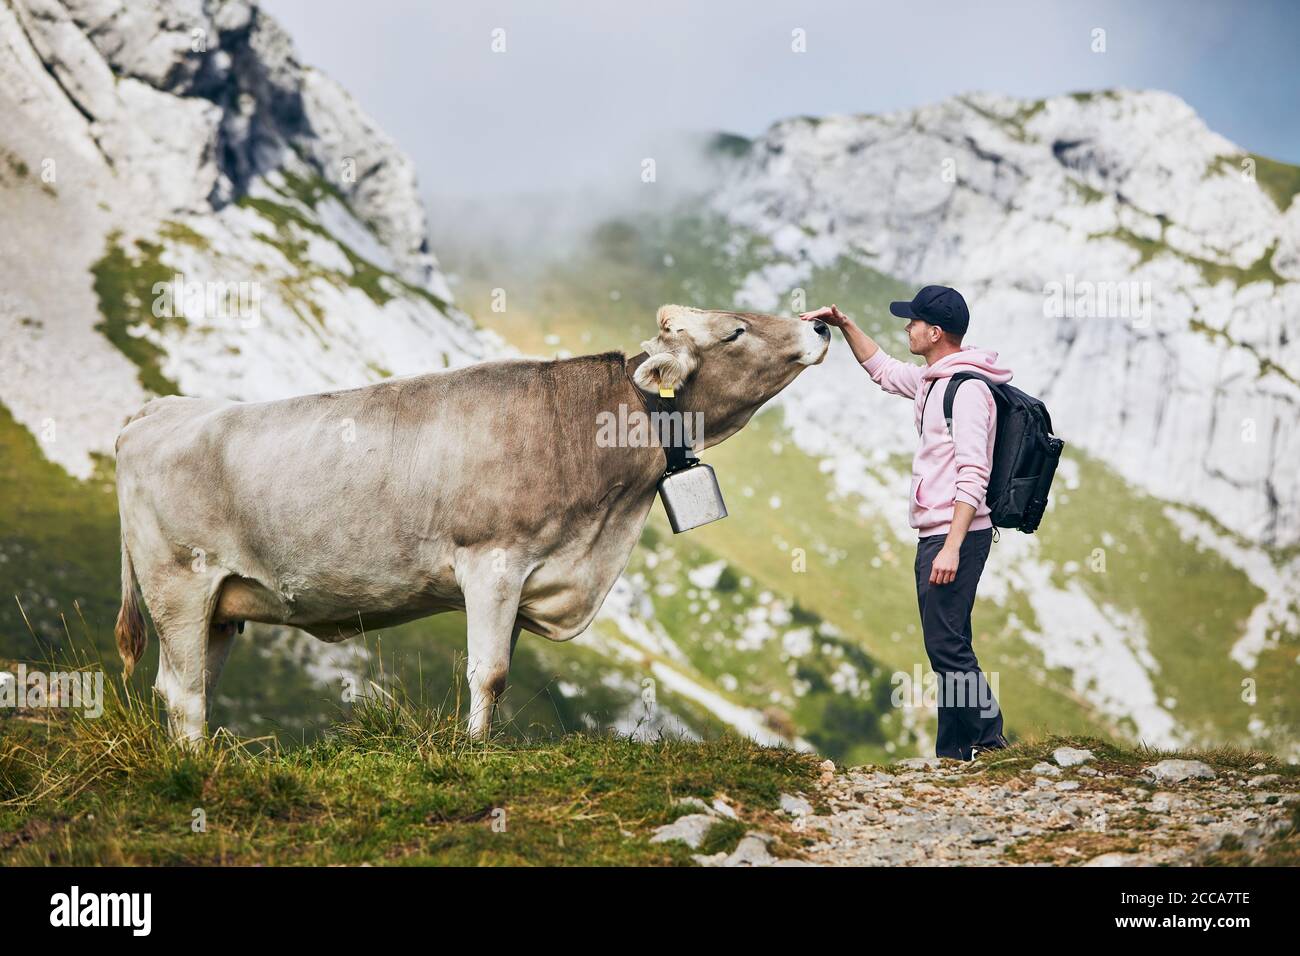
{"x": 584, "y": 92}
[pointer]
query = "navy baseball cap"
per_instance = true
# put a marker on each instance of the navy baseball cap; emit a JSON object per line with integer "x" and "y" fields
{"x": 938, "y": 305}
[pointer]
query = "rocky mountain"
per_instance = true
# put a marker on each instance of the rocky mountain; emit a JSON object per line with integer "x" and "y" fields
{"x": 1140, "y": 271}
{"x": 180, "y": 148}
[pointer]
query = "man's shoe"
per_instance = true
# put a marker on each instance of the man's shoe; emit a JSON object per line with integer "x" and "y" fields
{"x": 1000, "y": 745}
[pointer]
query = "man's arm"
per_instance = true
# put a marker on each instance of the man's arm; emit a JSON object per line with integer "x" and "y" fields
{"x": 943, "y": 569}
{"x": 900, "y": 378}
{"x": 973, "y": 427}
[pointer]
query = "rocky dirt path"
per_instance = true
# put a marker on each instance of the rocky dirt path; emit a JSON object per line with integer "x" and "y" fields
{"x": 1032, "y": 805}
{"x": 1072, "y": 808}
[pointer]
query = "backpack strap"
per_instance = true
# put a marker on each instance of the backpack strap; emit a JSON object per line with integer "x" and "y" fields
{"x": 950, "y": 393}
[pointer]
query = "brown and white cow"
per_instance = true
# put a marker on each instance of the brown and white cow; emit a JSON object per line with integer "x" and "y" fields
{"x": 482, "y": 488}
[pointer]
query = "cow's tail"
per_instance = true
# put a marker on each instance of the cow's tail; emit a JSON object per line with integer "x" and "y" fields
{"x": 130, "y": 630}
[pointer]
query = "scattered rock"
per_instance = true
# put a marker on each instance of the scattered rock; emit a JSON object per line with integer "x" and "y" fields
{"x": 695, "y": 803}
{"x": 1263, "y": 779}
{"x": 723, "y": 808}
{"x": 972, "y": 820}
{"x": 750, "y": 851}
{"x": 1163, "y": 802}
{"x": 1070, "y": 757}
{"x": 920, "y": 763}
{"x": 1176, "y": 771}
{"x": 690, "y": 829}
{"x": 795, "y": 806}
{"x": 1116, "y": 859}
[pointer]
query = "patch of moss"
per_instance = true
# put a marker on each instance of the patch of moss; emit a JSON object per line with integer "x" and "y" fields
{"x": 1266, "y": 365}
{"x": 1280, "y": 181}
{"x": 1261, "y": 270}
{"x": 311, "y": 191}
{"x": 125, "y": 285}
{"x": 380, "y": 285}
{"x": 1086, "y": 192}
{"x": 181, "y": 234}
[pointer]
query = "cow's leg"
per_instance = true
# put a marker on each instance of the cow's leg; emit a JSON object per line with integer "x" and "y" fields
{"x": 221, "y": 637}
{"x": 491, "y": 604}
{"x": 181, "y": 604}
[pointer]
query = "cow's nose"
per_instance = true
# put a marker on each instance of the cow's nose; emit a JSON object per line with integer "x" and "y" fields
{"x": 822, "y": 329}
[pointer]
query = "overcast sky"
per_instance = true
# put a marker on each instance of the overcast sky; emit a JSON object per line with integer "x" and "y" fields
{"x": 583, "y": 89}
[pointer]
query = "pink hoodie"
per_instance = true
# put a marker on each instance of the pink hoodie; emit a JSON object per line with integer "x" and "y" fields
{"x": 947, "y": 469}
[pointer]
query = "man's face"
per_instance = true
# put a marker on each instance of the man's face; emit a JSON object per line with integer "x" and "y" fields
{"x": 921, "y": 336}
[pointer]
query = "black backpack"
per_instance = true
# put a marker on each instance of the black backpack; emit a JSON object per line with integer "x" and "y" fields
{"x": 1025, "y": 453}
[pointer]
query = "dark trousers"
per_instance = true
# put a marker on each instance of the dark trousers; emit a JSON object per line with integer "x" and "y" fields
{"x": 968, "y": 714}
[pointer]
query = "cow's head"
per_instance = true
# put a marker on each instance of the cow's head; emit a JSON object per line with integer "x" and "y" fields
{"x": 727, "y": 364}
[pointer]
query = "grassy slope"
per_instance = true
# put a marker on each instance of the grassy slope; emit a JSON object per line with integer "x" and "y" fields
{"x": 393, "y": 784}
{"x": 1193, "y": 603}
{"x": 398, "y": 785}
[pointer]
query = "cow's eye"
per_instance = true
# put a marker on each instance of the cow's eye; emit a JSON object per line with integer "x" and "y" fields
{"x": 733, "y": 336}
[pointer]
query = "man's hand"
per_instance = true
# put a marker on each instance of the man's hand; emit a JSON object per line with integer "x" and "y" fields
{"x": 830, "y": 314}
{"x": 944, "y": 566}
{"x": 861, "y": 344}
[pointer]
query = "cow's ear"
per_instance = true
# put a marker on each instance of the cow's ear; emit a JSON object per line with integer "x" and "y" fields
{"x": 667, "y": 313}
{"x": 664, "y": 370}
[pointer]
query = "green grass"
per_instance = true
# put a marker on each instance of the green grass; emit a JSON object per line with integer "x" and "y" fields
{"x": 58, "y": 548}
{"x": 392, "y": 784}
{"x": 1110, "y": 757}
{"x": 1280, "y": 181}
{"x": 1192, "y": 603}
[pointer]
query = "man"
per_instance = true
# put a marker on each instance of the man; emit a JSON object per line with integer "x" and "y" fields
{"x": 950, "y": 475}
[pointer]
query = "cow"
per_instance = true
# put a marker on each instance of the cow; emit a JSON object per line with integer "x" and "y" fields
{"x": 482, "y": 489}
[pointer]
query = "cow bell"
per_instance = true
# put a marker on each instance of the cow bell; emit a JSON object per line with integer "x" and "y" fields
{"x": 691, "y": 497}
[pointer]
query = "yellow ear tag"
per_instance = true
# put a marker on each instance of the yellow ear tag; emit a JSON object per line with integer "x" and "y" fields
{"x": 666, "y": 393}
